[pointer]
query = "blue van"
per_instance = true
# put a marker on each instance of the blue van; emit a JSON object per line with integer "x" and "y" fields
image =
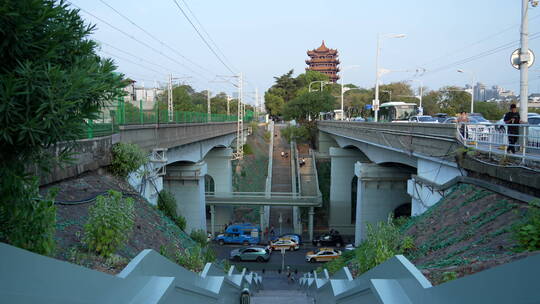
{"x": 245, "y": 234}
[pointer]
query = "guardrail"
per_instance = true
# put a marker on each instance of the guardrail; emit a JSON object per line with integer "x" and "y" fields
{"x": 27, "y": 277}
{"x": 496, "y": 138}
{"x": 262, "y": 199}
{"x": 119, "y": 115}
{"x": 398, "y": 281}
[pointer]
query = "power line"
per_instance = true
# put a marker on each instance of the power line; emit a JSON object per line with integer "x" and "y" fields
{"x": 138, "y": 40}
{"x": 207, "y": 34}
{"x": 155, "y": 38}
{"x": 131, "y": 61}
{"x": 202, "y": 37}
{"x": 481, "y": 55}
{"x": 477, "y": 42}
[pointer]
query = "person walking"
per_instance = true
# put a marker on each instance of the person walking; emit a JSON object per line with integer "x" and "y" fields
{"x": 462, "y": 118}
{"x": 272, "y": 233}
{"x": 512, "y": 119}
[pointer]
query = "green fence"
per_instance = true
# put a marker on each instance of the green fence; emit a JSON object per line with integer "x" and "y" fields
{"x": 112, "y": 117}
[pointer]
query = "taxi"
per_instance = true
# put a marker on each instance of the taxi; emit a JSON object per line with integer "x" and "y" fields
{"x": 323, "y": 255}
{"x": 286, "y": 243}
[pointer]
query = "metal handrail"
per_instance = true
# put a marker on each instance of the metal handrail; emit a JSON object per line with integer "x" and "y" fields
{"x": 494, "y": 138}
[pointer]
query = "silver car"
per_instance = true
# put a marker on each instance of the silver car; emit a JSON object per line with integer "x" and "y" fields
{"x": 258, "y": 254}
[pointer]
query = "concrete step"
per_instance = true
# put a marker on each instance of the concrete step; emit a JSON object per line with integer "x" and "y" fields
{"x": 281, "y": 297}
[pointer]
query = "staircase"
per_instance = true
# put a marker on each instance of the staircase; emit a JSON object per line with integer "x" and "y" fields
{"x": 281, "y": 297}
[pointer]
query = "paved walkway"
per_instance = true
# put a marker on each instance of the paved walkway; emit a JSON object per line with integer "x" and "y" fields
{"x": 281, "y": 182}
{"x": 277, "y": 290}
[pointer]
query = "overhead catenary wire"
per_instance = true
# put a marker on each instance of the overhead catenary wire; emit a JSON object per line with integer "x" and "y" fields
{"x": 155, "y": 38}
{"x": 203, "y": 39}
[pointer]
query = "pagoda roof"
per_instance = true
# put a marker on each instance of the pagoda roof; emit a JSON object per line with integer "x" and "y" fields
{"x": 322, "y": 49}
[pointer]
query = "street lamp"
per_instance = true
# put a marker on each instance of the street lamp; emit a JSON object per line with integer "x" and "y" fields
{"x": 343, "y": 91}
{"x": 421, "y": 91}
{"x": 318, "y": 81}
{"x": 472, "y": 87}
{"x": 377, "y": 72}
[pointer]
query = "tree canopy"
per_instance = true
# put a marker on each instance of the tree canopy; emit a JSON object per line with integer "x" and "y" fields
{"x": 309, "y": 104}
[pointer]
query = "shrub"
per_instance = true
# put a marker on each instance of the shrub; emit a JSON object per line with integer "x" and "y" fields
{"x": 109, "y": 224}
{"x": 180, "y": 222}
{"x": 195, "y": 258}
{"x": 200, "y": 237}
{"x": 527, "y": 232}
{"x": 127, "y": 158}
{"x": 383, "y": 241}
{"x": 167, "y": 203}
{"x": 267, "y": 136}
{"x": 27, "y": 220}
{"x": 247, "y": 149}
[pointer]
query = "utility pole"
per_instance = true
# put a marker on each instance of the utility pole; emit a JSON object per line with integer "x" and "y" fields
{"x": 208, "y": 105}
{"x": 239, "y": 154}
{"x": 228, "y": 105}
{"x": 256, "y": 102}
{"x": 170, "y": 100}
{"x": 524, "y": 59}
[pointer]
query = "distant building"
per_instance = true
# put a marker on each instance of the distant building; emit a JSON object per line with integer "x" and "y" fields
{"x": 136, "y": 95}
{"x": 324, "y": 60}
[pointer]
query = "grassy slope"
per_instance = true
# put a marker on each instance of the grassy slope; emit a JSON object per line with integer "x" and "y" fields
{"x": 152, "y": 230}
{"x": 468, "y": 231}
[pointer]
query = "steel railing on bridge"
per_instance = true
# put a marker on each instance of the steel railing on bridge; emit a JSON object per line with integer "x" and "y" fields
{"x": 113, "y": 116}
{"x": 262, "y": 199}
{"x": 496, "y": 138}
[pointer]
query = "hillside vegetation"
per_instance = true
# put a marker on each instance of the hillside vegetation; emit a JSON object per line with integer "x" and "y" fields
{"x": 469, "y": 230}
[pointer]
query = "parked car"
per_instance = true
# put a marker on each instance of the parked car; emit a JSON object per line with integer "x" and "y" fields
{"x": 258, "y": 254}
{"x": 360, "y": 119}
{"x": 329, "y": 239}
{"x": 286, "y": 243}
{"x": 245, "y": 233}
{"x": 293, "y": 236}
{"x": 450, "y": 120}
{"x": 423, "y": 119}
{"x": 323, "y": 255}
{"x": 440, "y": 117}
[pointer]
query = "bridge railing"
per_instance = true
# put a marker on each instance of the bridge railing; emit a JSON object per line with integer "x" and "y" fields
{"x": 398, "y": 281}
{"x": 113, "y": 116}
{"x": 496, "y": 138}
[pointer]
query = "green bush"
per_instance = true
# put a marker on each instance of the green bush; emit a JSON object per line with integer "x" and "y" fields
{"x": 200, "y": 237}
{"x": 27, "y": 220}
{"x": 195, "y": 258}
{"x": 127, "y": 158}
{"x": 167, "y": 203}
{"x": 382, "y": 242}
{"x": 110, "y": 221}
{"x": 267, "y": 136}
{"x": 247, "y": 149}
{"x": 527, "y": 232}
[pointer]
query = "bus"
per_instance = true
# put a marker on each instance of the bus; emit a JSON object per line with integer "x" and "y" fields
{"x": 397, "y": 111}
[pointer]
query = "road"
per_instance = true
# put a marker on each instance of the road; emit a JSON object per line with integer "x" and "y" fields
{"x": 294, "y": 259}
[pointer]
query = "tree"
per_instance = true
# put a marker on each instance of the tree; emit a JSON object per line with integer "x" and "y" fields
{"x": 51, "y": 81}
{"x": 309, "y": 104}
{"x": 430, "y": 102}
{"x": 285, "y": 86}
{"x": 182, "y": 99}
{"x": 454, "y": 100}
{"x": 274, "y": 104}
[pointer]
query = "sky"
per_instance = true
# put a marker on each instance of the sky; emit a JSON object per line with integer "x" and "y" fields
{"x": 264, "y": 39}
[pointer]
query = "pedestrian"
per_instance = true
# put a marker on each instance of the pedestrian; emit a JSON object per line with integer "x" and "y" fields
{"x": 282, "y": 154}
{"x": 272, "y": 233}
{"x": 462, "y": 118}
{"x": 512, "y": 119}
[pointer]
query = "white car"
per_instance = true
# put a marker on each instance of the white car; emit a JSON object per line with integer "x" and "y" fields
{"x": 423, "y": 119}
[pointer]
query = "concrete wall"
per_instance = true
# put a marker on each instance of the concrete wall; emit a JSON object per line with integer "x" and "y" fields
{"x": 380, "y": 191}
{"x": 341, "y": 175}
{"x": 89, "y": 154}
{"x": 424, "y": 196}
{"x": 218, "y": 162}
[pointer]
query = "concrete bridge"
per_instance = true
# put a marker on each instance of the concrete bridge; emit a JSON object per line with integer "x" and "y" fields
{"x": 378, "y": 168}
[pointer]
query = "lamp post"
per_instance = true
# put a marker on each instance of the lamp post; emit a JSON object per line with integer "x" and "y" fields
{"x": 322, "y": 82}
{"x": 377, "y": 74}
{"x": 421, "y": 91}
{"x": 343, "y": 91}
{"x": 472, "y": 87}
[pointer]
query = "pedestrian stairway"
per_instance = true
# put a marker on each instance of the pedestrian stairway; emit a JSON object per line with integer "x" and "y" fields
{"x": 281, "y": 297}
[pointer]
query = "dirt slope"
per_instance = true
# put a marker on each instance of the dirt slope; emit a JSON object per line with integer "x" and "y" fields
{"x": 152, "y": 230}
